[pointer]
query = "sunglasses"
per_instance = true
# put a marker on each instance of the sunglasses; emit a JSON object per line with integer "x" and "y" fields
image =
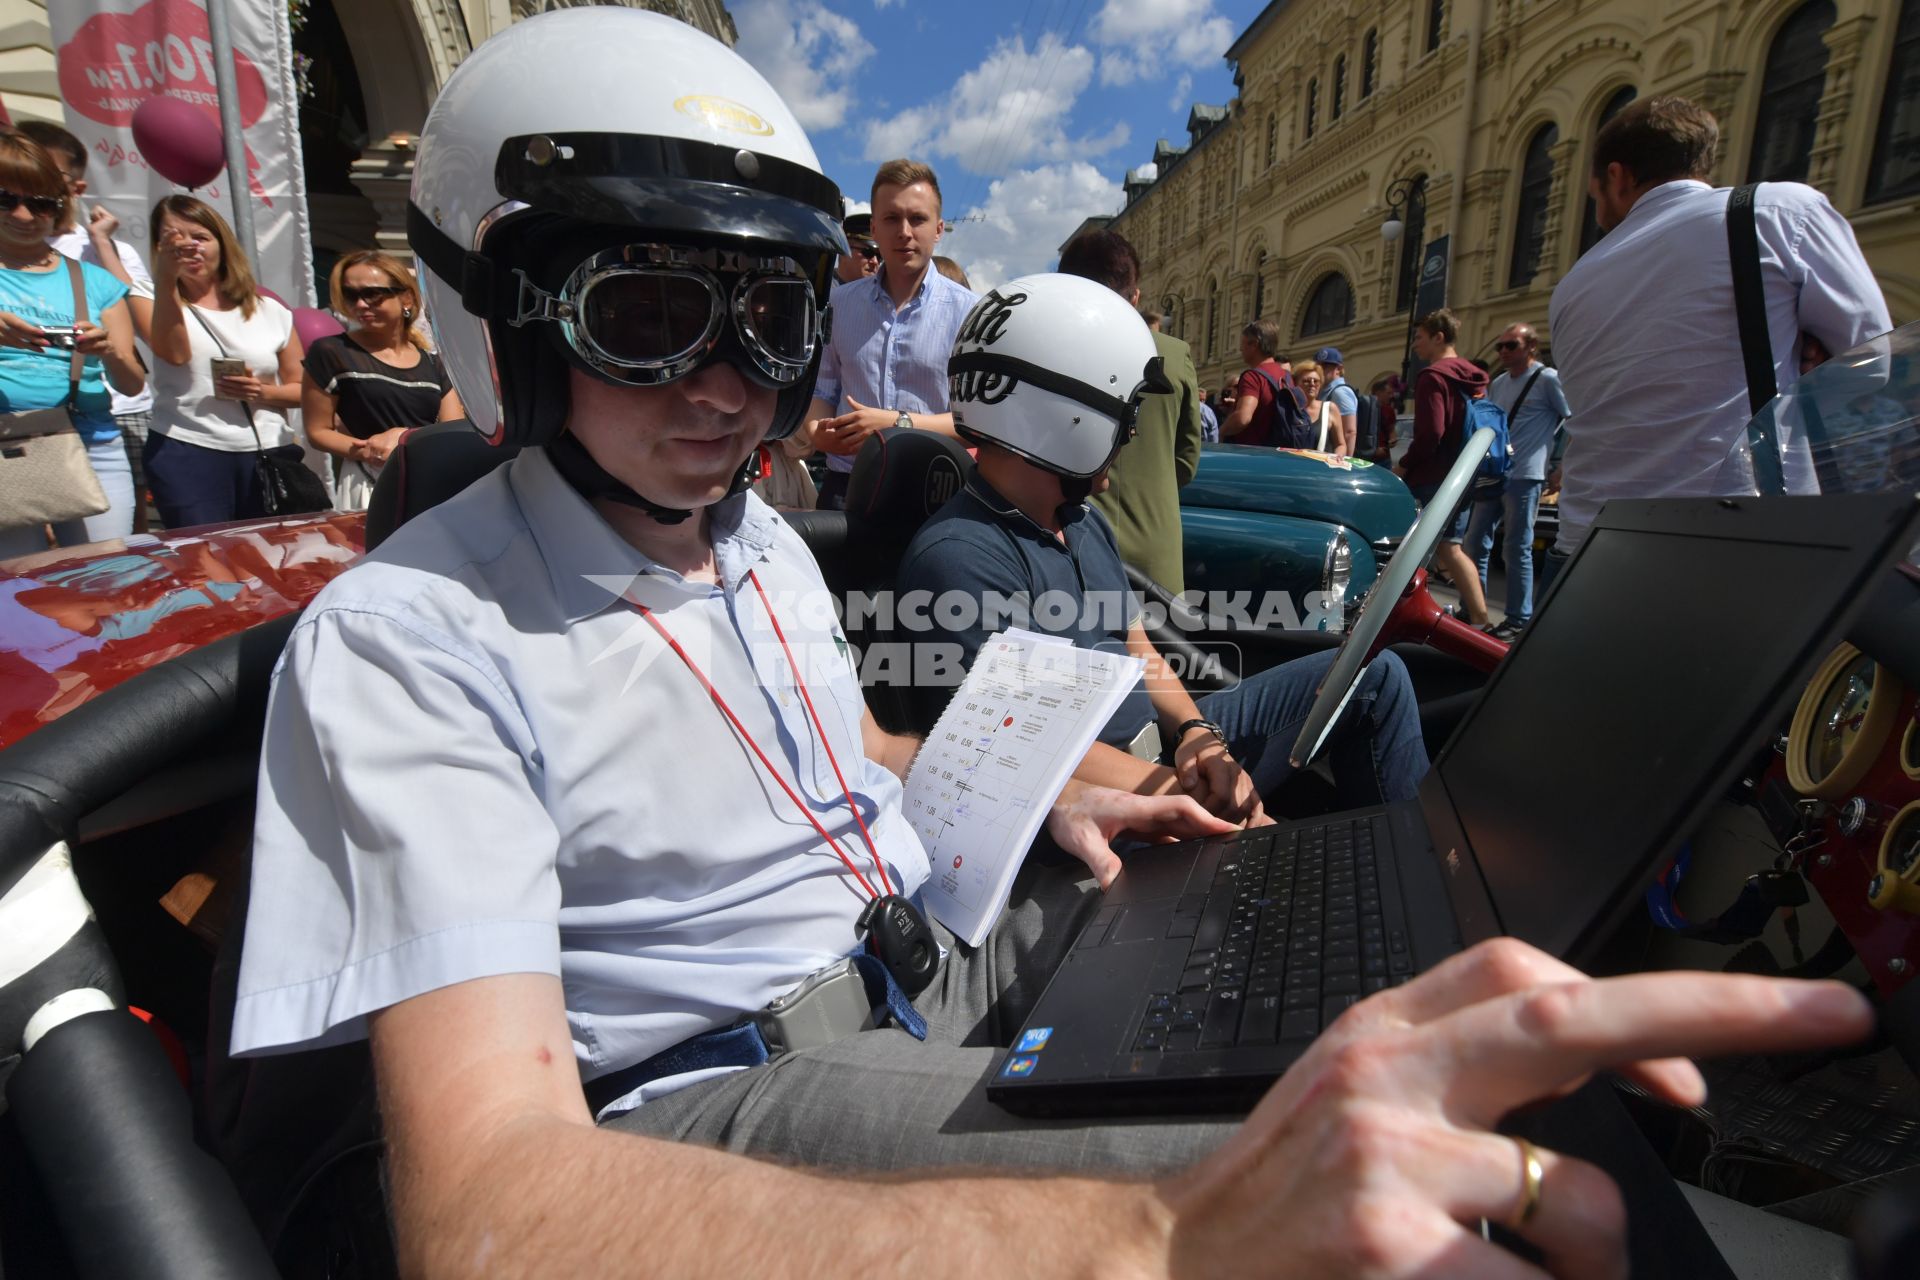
{"x": 39, "y": 206}
{"x": 866, "y": 249}
{"x": 1508, "y": 345}
{"x": 646, "y": 314}
{"x": 372, "y": 293}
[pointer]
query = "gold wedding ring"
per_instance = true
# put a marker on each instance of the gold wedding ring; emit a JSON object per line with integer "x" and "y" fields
{"x": 1531, "y": 1175}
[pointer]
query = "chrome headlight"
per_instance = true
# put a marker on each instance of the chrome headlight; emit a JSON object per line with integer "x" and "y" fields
{"x": 1336, "y": 573}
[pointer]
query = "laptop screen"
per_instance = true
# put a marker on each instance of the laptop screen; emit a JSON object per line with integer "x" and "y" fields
{"x": 1660, "y": 663}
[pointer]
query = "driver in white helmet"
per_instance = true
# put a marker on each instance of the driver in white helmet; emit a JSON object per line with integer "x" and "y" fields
{"x": 546, "y": 813}
{"x": 1049, "y": 414}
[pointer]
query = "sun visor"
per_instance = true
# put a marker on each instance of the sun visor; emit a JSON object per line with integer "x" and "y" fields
{"x": 673, "y": 185}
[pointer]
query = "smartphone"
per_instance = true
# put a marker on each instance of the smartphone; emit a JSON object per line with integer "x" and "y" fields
{"x": 228, "y": 367}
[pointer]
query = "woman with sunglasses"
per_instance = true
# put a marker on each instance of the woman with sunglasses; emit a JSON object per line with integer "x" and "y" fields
{"x": 210, "y": 421}
{"x": 366, "y": 389}
{"x": 40, "y": 331}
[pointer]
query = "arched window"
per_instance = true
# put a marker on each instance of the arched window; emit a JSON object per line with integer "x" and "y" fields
{"x": 1413, "y": 243}
{"x": 1436, "y": 23}
{"x": 1213, "y": 319}
{"x": 1530, "y": 218}
{"x": 1329, "y": 307}
{"x": 1339, "y": 103}
{"x": 1896, "y": 148}
{"x": 1313, "y": 105}
{"x": 1260, "y": 284}
{"x": 1590, "y": 231}
{"x": 1790, "y": 96}
{"x": 1273, "y": 138}
{"x": 1369, "y": 59}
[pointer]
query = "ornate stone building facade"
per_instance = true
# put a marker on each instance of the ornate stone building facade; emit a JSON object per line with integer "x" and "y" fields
{"x": 1275, "y": 205}
{"x": 375, "y": 67}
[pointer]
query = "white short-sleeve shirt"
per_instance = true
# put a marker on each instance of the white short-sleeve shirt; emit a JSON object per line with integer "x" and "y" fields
{"x": 480, "y": 760}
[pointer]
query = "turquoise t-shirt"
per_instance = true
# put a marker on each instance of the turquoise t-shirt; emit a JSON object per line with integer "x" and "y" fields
{"x": 38, "y": 379}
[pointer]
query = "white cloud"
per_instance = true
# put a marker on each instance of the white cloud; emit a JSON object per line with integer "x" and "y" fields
{"x": 1143, "y": 39}
{"x": 1025, "y": 217}
{"x": 1177, "y": 100}
{"x": 1011, "y": 109}
{"x": 807, "y": 52}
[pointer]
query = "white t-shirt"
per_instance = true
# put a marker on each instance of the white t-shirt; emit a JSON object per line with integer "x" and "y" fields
{"x": 480, "y": 760}
{"x": 184, "y": 406}
{"x": 75, "y": 244}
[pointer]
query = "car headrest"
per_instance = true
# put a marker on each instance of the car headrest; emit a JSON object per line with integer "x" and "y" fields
{"x": 431, "y": 465}
{"x": 900, "y": 478}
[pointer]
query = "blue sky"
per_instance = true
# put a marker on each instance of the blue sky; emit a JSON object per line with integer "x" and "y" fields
{"x": 1031, "y": 110}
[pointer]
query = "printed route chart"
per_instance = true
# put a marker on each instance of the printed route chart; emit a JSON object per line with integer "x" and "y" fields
{"x": 1005, "y": 746}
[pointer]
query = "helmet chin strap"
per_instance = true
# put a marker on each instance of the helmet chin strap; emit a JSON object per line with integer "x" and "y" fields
{"x": 591, "y": 480}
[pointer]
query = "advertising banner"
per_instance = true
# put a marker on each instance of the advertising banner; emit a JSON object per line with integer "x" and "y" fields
{"x": 115, "y": 54}
{"x": 1429, "y": 295}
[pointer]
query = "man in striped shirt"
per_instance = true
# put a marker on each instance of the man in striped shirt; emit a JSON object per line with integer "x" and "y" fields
{"x": 887, "y": 363}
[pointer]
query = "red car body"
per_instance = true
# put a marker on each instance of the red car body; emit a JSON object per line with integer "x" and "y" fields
{"x": 77, "y": 621}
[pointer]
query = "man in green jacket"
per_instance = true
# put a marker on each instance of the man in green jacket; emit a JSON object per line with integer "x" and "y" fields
{"x": 1142, "y": 500}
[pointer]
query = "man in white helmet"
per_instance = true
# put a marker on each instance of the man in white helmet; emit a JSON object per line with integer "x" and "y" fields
{"x": 540, "y": 804}
{"x": 1050, "y": 417}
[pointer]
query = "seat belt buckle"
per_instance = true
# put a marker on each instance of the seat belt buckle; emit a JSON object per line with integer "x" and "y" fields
{"x": 829, "y": 1005}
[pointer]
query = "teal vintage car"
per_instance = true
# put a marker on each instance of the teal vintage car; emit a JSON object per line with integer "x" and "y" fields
{"x": 1309, "y": 527}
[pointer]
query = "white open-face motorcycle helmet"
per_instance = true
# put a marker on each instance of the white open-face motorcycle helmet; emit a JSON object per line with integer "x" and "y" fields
{"x": 1052, "y": 368}
{"x": 612, "y": 190}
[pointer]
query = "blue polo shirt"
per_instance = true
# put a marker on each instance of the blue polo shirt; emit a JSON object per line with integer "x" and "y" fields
{"x": 980, "y": 550}
{"x": 1346, "y": 401}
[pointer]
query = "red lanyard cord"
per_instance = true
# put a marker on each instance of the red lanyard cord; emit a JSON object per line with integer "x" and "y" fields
{"x": 747, "y": 738}
{"x": 807, "y": 698}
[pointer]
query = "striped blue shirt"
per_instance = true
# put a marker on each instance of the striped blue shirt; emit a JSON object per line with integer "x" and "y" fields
{"x": 888, "y": 359}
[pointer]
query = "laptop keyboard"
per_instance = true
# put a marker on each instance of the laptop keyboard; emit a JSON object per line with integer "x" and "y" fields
{"x": 1291, "y": 934}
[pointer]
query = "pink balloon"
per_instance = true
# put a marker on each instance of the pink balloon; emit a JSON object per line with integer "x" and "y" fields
{"x": 265, "y": 292}
{"x": 179, "y": 140}
{"x": 313, "y": 324}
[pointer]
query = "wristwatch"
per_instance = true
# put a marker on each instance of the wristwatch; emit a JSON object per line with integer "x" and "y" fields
{"x": 904, "y": 421}
{"x": 1180, "y": 734}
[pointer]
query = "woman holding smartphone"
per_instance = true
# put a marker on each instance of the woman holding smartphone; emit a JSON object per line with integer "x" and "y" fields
{"x": 366, "y": 389}
{"x": 40, "y": 330}
{"x": 229, "y": 369}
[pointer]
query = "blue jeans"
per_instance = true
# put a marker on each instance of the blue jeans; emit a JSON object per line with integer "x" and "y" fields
{"x": 1375, "y": 748}
{"x": 1515, "y": 510}
{"x": 110, "y": 466}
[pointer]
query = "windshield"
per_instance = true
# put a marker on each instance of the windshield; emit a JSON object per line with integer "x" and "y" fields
{"x": 1851, "y": 425}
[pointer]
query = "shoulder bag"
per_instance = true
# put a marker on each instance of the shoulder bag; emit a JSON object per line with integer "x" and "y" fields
{"x": 45, "y": 474}
{"x": 283, "y": 484}
{"x": 1756, "y": 345}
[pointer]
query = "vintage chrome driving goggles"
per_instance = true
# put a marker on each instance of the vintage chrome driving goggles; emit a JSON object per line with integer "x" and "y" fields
{"x": 646, "y": 314}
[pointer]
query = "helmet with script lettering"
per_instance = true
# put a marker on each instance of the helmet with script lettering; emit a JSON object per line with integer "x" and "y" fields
{"x": 1052, "y": 368}
{"x": 571, "y": 214}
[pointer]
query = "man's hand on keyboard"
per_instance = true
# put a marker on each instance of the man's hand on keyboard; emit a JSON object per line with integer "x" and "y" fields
{"x": 1374, "y": 1155}
{"x": 1086, "y": 820}
{"x": 1208, "y": 772}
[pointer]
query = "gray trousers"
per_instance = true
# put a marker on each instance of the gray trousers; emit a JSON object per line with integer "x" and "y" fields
{"x": 882, "y": 1100}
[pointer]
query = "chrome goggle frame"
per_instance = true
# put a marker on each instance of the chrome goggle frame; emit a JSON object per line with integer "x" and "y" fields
{"x": 569, "y": 309}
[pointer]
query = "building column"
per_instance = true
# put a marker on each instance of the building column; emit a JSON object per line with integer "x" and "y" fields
{"x": 384, "y": 172}
{"x": 1562, "y": 153}
{"x": 1846, "y": 40}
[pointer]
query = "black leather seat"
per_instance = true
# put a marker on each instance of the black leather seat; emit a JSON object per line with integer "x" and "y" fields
{"x": 900, "y": 478}
{"x": 431, "y": 465}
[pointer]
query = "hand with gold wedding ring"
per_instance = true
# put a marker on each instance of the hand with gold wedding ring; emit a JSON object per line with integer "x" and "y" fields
{"x": 1375, "y": 1155}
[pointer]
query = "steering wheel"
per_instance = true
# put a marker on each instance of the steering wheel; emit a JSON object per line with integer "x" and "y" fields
{"x": 1350, "y": 662}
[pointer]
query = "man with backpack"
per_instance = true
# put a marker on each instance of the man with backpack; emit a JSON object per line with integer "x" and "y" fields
{"x": 1443, "y": 396}
{"x": 1529, "y": 394}
{"x": 1270, "y": 410}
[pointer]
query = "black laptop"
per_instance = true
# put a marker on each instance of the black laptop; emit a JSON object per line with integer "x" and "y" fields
{"x": 1674, "y": 639}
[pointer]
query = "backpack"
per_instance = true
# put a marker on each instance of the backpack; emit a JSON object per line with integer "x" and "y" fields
{"x": 1291, "y": 429}
{"x": 1493, "y": 468}
{"x": 1366, "y": 427}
